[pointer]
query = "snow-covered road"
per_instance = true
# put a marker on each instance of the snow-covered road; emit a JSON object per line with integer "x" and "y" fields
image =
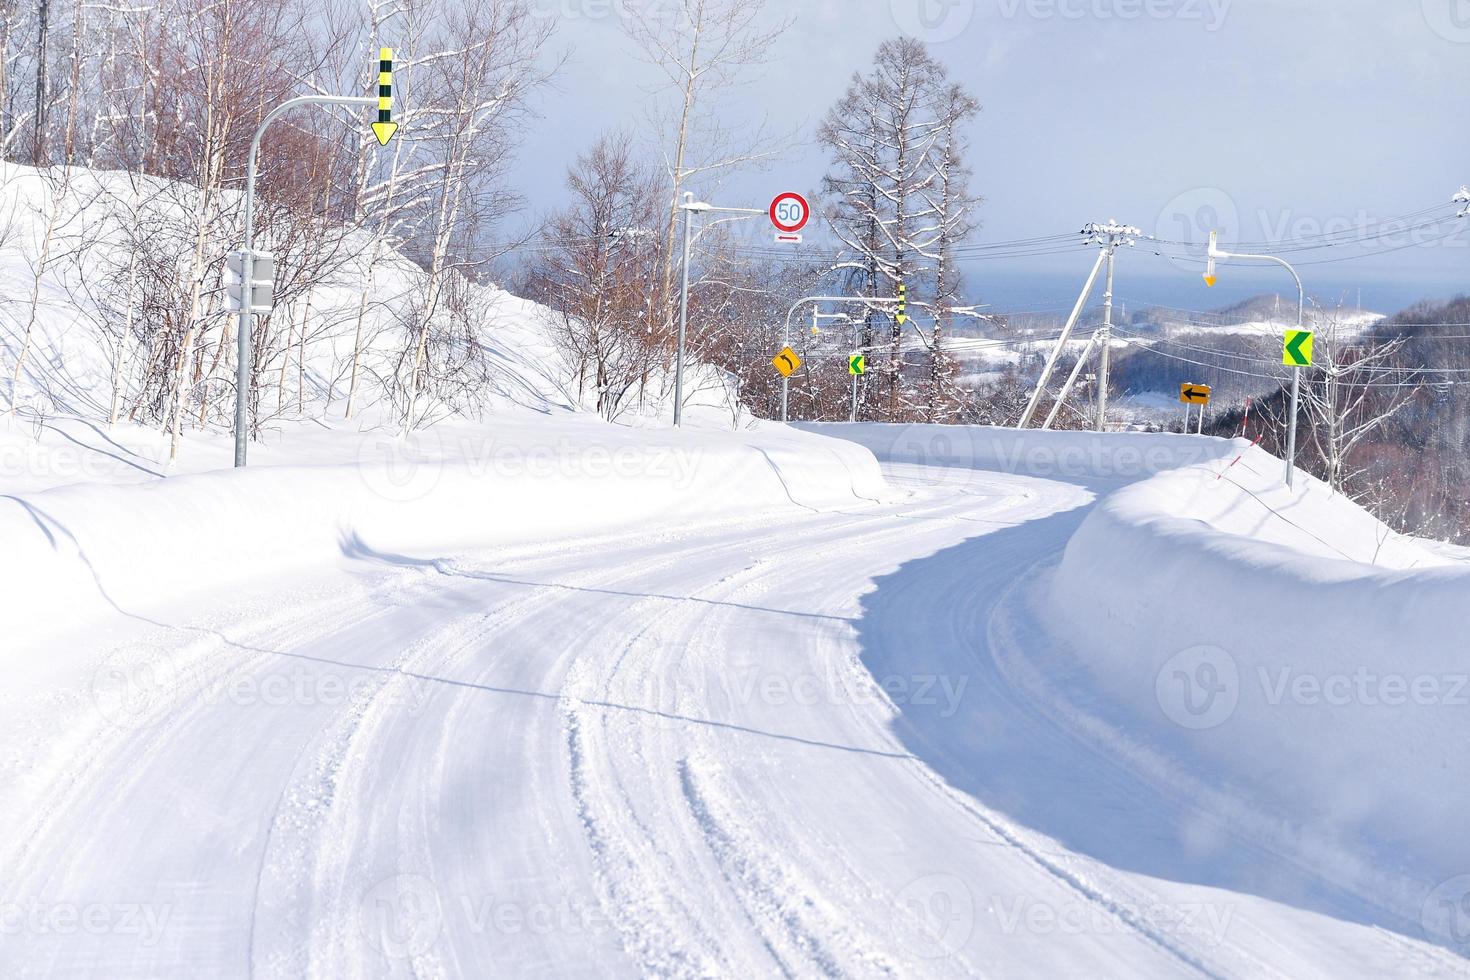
{"x": 831, "y": 743}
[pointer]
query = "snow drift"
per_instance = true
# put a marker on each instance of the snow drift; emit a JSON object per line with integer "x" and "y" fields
{"x": 1290, "y": 640}
{"x": 79, "y": 548}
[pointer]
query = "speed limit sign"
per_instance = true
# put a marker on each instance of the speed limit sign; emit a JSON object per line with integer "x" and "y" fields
{"x": 789, "y": 213}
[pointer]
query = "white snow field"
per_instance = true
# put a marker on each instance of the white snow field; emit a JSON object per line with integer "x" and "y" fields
{"x": 704, "y": 703}
{"x": 534, "y": 694}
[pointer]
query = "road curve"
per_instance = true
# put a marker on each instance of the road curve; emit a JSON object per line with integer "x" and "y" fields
{"x": 796, "y": 746}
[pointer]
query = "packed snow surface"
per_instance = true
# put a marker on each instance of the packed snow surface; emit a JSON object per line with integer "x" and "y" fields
{"x": 543, "y": 695}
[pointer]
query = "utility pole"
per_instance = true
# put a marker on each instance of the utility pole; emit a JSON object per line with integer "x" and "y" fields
{"x": 1108, "y": 237}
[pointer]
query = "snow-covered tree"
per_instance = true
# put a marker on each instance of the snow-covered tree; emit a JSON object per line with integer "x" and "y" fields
{"x": 898, "y": 187}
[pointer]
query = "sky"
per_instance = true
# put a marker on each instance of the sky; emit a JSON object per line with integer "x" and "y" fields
{"x": 1269, "y": 119}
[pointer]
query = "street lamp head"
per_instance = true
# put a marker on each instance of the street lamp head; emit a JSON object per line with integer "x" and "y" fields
{"x": 1213, "y": 254}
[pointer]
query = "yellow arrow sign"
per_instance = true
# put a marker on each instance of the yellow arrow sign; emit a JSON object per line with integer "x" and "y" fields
{"x": 857, "y": 364}
{"x": 1211, "y": 280}
{"x": 786, "y": 362}
{"x": 1296, "y": 349}
{"x": 385, "y": 127}
{"x": 1194, "y": 394}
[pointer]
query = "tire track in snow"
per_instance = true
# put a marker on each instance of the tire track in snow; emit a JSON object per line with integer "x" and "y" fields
{"x": 117, "y": 754}
{"x": 761, "y": 887}
{"x": 326, "y": 844}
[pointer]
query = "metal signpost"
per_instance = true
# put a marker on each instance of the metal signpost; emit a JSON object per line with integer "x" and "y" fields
{"x": 242, "y": 263}
{"x": 1296, "y": 363}
{"x": 1191, "y": 395}
{"x": 690, "y": 206}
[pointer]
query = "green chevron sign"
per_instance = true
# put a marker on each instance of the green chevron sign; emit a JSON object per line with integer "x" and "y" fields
{"x": 1297, "y": 349}
{"x": 857, "y": 364}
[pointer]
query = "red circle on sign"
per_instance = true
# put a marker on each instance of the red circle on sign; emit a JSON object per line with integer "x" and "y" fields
{"x": 777, "y": 209}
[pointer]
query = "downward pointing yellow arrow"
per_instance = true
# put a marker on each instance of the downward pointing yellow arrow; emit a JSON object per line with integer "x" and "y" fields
{"x": 384, "y": 131}
{"x": 1211, "y": 280}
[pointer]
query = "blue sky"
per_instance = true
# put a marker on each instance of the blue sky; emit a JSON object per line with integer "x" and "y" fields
{"x": 1271, "y": 118}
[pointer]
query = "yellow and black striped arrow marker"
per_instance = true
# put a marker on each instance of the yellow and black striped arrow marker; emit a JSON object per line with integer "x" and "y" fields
{"x": 903, "y": 305}
{"x": 385, "y": 127}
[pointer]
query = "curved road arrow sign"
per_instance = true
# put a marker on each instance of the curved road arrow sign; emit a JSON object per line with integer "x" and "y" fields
{"x": 786, "y": 362}
{"x": 1296, "y": 350}
{"x": 857, "y": 364}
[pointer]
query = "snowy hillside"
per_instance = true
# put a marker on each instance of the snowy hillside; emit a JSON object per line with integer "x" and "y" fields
{"x": 737, "y": 698}
{"x": 71, "y": 267}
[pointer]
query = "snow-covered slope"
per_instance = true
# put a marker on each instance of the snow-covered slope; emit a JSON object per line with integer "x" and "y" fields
{"x": 72, "y": 550}
{"x": 1288, "y": 642}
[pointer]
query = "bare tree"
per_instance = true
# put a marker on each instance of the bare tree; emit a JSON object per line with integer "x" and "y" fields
{"x": 598, "y": 274}
{"x": 701, "y": 46}
{"x": 1351, "y": 392}
{"x": 486, "y": 65}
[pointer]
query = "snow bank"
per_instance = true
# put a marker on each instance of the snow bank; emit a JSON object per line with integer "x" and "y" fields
{"x": 1103, "y": 459}
{"x": 1290, "y": 641}
{"x": 84, "y": 548}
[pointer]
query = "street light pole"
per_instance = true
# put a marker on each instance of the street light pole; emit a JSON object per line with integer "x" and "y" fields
{"x": 1296, "y": 372}
{"x": 689, "y": 205}
{"x": 243, "y": 364}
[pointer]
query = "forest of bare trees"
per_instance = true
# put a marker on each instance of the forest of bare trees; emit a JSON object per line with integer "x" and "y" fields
{"x": 138, "y": 120}
{"x": 126, "y": 129}
{"x": 124, "y": 133}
